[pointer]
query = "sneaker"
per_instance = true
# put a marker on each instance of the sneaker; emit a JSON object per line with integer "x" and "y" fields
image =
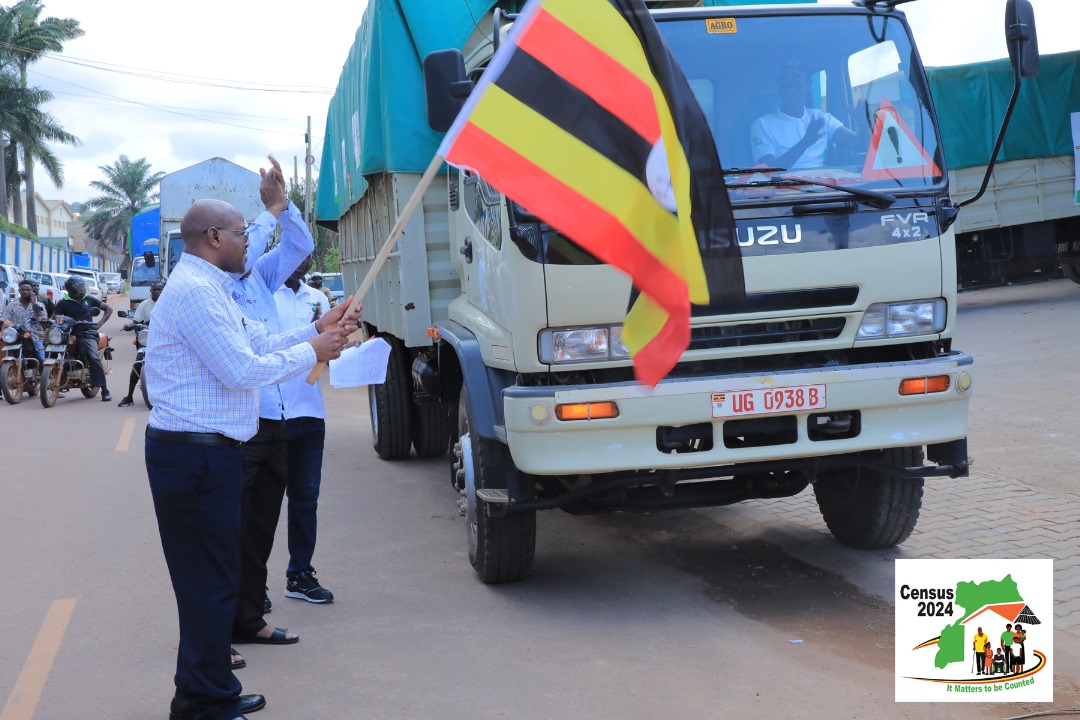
{"x": 267, "y": 606}
{"x": 125, "y": 402}
{"x": 304, "y": 586}
{"x": 105, "y": 396}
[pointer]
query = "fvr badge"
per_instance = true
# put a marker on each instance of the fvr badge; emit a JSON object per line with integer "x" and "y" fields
{"x": 721, "y": 26}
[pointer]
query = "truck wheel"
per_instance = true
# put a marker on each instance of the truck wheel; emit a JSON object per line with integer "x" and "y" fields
{"x": 1071, "y": 271}
{"x": 11, "y": 381}
{"x": 501, "y": 549}
{"x": 869, "y": 508}
{"x": 431, "y": 429}
{"x": 145, "y": 394}
{"x": 390, "y": 408}
{"x": 50, "y": 386}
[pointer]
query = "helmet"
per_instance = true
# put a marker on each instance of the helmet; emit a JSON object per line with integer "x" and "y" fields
{"x": 75, "y": 285}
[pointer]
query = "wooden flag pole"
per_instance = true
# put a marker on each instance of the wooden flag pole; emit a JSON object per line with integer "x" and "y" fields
{"x": 388, "y": 246}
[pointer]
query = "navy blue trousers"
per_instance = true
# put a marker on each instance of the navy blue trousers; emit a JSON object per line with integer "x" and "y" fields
{"x": 306, "y": 437}
{"x": 196, "y": 491}
{"x": 266, "y": 464}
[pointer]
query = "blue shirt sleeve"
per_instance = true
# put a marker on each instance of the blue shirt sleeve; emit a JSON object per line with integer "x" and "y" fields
{"x": 275, "y": 267}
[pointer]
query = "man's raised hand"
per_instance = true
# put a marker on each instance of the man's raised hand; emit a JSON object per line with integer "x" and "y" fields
{"x": 272, "y": 187}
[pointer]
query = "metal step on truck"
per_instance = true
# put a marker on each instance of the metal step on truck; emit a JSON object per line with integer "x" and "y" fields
{"x": 838, "y": 373}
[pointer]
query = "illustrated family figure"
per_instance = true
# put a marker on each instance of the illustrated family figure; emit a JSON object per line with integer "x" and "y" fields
{"x": 1009, "y": 656}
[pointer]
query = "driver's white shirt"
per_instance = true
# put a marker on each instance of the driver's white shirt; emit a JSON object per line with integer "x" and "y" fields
{"x": 776, "y": 133}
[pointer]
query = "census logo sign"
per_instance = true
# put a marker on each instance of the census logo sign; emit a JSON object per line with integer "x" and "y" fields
{"x": 974, "y": 630}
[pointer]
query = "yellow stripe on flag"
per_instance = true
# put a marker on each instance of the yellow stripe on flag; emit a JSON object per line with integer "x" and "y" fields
{"x": 642, "y": 323}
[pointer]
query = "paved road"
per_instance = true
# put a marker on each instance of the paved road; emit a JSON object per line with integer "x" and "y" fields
{"x": 676, "y": 615}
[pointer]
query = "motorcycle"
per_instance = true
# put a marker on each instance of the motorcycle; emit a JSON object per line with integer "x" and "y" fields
{"x": 65, "y": 365}
{"x": 20, "y": 369}
{"x": 141, "y": 330}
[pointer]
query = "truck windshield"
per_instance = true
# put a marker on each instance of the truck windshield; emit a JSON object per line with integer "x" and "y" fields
{"x": 142, "y": 275}
{"x": 835, "y": 97}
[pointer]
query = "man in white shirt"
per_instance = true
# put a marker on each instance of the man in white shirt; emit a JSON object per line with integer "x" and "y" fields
{"x": 141, "y": 315}
{"x": 304, "y": 435}
{"x": 795, "y": 136}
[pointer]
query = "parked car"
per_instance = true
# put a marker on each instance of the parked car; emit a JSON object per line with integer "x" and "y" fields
{"x": 49, "y": 284}
{"x": 113, "y": 282}
{"x": 12, "y": 276}
{"x": 336, "y": 286}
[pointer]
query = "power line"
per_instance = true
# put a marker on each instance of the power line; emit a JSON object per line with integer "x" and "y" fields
{"x": 173, "y": 77}
{"x": 162, "y": 109}
{"x": 117, "y": 103}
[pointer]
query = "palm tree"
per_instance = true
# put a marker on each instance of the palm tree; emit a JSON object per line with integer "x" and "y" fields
{"x": 128, "y": 187}
{"x": 29, "y": 38}
{"x": 21, "y": 115}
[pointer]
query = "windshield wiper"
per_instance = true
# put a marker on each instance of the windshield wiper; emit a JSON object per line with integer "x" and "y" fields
{"x": 753, "y": 170}
{"x": 873, "y": 198}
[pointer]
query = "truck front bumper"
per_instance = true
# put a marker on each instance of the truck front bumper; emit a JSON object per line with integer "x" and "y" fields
{"x": 541, "y": 444}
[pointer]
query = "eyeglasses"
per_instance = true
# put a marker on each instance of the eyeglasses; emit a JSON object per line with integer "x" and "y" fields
{"x": 243, "y": 232}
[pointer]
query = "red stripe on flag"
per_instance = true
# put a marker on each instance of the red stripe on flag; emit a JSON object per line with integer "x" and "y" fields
{"x": 591, "y": 227}
{"x": 654, "y": 361}
{"x": 594, "y": 72}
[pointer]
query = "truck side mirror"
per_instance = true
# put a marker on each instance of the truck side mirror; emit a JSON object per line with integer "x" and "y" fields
{"x": 445, "y": 87}
{"x": 149, "y": 258}
{"x": 1021, "y": 37}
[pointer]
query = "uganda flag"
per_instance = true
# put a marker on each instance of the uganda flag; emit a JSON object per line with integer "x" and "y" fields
{"x": 584, "y": 118}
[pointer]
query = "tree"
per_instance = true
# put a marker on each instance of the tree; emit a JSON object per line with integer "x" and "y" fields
{"x": 28, "y": 38}
{"x": 21, "y": 115}
{"x": 128, "y": 187}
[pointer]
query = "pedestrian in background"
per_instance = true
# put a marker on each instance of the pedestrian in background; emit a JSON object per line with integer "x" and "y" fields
{"x": 316, "y": 282}
{"x": 305, "y": 435}
{"x": 206, "y": 363}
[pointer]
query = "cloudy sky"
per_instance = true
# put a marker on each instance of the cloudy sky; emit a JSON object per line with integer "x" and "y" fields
{"x": 167, "y": 81}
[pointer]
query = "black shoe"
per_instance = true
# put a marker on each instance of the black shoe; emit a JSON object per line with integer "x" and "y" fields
{"x": 267, "y": 606}
{"x": 105, "y": 395}
{"x": 125, "y": 402}
{"x": 180, "y": 710}
{"x": 305, "y": 586}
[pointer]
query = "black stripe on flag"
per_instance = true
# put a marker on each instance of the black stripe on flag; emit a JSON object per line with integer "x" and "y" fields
{"x": 545, "y": 92}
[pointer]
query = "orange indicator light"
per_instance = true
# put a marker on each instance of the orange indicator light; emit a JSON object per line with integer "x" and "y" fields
{"x": 924, "y": 385}
{"x": 587, "y": 411}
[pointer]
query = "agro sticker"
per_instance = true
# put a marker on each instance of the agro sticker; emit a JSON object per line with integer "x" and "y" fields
{"x": 949, "y": 611}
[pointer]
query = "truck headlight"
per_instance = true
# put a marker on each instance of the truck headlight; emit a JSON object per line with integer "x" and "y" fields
{"x": 9, "y": 335}
{"x": 902, "y": 319}
{"x": 582, "y": 345}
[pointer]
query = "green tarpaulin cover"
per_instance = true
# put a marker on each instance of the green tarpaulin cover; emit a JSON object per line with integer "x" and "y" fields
{"x": 971, "y": 101}
{"x": 377, "y": 120}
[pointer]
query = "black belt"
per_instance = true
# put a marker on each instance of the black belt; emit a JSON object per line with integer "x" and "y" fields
{"x": 191, "y": 438}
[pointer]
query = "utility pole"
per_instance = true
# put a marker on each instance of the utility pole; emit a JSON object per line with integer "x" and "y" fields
{"x": 295, "y": 176}
{"x": 309, "y": 212}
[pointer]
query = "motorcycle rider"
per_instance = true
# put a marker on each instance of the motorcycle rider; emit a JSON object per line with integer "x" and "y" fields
{"x": 29, "y": 312}
{"x": 77, "y": 305}
{"x": 142, "y": 315}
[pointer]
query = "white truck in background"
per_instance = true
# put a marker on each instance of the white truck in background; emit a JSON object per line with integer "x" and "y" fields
{"x": 215, "y": 178}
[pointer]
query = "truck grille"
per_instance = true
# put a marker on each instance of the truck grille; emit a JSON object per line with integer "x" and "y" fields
{"x": 784, "y": 300}
{"x": 766, "y": 333}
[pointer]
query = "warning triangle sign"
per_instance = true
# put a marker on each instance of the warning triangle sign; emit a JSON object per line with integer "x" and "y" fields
{"x": 894, "y": 150}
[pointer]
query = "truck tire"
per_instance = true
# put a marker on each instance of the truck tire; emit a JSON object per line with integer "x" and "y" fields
{"x": 1071, "y": 271}
{"x": 11, "y": 381}
{"x": 431, "y": 429}
{"x": 389, "y": 404}
{"x": 870, "y": 508}
{"x": 501, "y": 549}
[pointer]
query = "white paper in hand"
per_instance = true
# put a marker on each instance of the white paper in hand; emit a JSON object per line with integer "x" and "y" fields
{"x": 364, "y": 364}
